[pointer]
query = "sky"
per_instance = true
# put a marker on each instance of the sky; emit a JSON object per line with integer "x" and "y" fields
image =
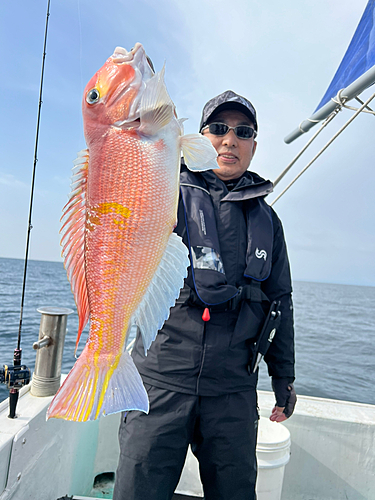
{"x": 280, "y": 55}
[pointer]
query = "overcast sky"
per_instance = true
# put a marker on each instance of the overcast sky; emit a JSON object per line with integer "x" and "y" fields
{"x": 280, "y": 55}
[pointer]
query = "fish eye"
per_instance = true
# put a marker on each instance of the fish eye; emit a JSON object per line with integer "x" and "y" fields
{"x": 93, "y": 96}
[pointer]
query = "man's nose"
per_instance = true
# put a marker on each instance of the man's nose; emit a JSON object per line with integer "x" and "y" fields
{"x": 230, "y": 139}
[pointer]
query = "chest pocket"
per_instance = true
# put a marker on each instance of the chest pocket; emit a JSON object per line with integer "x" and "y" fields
{"x": 207, "y": 269}
{"x": 259, "y": 240}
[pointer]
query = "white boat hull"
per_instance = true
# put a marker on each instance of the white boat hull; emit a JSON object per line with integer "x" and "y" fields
{"x": 332, "y": 451}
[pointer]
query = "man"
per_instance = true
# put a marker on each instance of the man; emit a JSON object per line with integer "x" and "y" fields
{"x": 199, "y": 372}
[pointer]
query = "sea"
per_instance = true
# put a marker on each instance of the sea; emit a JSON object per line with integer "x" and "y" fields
{"x": 334, "y": 330}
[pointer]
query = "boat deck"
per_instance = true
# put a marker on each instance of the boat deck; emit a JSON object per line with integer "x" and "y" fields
{"x": 331, "y": 440}
{"x": 176, "y": 496}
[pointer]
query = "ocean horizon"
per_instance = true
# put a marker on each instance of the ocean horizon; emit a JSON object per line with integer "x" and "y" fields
{"x": 294, "y": 280}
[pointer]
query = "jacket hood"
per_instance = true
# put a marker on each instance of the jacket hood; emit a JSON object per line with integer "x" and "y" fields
{"x": 249, "y": 185}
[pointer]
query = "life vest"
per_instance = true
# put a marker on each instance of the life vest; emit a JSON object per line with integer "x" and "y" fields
{"x": 207, "y": 270}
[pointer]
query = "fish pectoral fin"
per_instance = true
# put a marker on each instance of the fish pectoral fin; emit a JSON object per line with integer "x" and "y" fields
{"x": 73, "y": 238}
{"x": 198, "y": 152}
{"x": 157, "y": 108}
{"x": 95, "y": 388}
{"x": 163, "y": 290}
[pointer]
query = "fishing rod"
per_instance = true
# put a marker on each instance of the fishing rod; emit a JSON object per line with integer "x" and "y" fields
{"x": 18, "y": 375}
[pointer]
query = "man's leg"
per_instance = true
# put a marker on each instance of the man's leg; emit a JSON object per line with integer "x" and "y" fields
{"x": 153, "y": 447}
{"x": 224, "y": 443}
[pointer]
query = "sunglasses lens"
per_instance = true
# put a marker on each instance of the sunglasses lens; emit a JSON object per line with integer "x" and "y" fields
{"x": 244, "y": 132}
{"x": 241, "y": 131}
{"x": 218, "y": 128}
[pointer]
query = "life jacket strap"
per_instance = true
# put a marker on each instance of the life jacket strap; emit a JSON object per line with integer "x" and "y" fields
{"x": 251, "y": 292}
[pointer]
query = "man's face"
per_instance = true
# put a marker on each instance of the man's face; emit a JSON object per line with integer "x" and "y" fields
{"x": 234, "y": 154}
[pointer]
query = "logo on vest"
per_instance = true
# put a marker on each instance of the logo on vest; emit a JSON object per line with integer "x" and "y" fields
{"x": 203, "y": 223}
{"x": 260, "y": 254}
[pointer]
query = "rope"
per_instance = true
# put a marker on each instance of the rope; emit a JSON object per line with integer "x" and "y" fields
{"x": 309, "y": 120}
{"x": 44, "y": 386}
{"x": 286, "y": 170}
{"x": 324, "y": 148}
{"x": 342, "y": 100}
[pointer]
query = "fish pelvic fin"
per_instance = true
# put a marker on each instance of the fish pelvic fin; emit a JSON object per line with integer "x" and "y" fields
{"x": 156, "y": 108}
{"x": 198, "y": 152}
{"x": 73, "y": 238}
{"x": 95, "y": 387}
{"x": 163, "y": 290}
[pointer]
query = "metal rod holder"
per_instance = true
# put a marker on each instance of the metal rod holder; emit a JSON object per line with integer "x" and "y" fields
{"x": 49, "y": 347}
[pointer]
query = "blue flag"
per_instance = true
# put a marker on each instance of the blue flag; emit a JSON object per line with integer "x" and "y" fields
{"x": 359, "y": 57}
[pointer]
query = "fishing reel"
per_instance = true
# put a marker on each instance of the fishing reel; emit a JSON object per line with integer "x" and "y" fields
{"x": 15, "y": 377}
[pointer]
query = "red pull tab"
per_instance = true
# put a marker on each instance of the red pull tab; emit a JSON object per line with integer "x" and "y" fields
{"x": 206, "y": 315}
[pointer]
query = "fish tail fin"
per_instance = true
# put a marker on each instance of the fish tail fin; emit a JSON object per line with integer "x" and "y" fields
{"x": 198, "y": 152}
{"x": 94, "y": 388}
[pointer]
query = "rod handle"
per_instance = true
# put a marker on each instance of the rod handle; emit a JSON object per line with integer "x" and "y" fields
{"x": 13, "y": 398}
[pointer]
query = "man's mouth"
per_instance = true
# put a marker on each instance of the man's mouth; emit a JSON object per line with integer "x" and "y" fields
{"x": 228, "y": 156}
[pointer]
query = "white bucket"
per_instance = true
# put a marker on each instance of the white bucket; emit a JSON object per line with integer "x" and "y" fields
{"x": 273, "y": 453}
{"x": 190, "y": 481}
{"x": 273, "y": 450}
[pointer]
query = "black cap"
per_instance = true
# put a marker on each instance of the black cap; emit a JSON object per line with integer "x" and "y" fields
{"x": 228, "y": 100}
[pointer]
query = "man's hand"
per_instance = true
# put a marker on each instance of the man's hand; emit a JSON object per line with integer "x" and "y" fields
{"x": 286, "y": 399}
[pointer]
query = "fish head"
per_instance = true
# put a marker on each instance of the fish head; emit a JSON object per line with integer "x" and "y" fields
{"x": 112, "y": 96}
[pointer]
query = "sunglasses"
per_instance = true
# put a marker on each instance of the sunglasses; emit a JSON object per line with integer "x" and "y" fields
{"x": 241, "y": 131}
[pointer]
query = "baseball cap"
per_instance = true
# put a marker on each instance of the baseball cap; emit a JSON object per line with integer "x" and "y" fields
{"x": 228, "y": 100}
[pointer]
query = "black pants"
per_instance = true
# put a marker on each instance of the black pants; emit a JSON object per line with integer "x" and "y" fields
{"x": 222, "y": 431}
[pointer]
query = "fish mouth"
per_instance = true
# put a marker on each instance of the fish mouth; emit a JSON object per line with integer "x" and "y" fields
{"x": 137, "y": 58}
{"x": 121, "y": 55}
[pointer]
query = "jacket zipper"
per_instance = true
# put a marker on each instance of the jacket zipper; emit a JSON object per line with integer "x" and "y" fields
{"x": 202, "y": 357}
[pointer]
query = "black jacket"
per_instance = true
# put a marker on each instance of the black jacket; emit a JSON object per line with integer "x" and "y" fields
{"x": 211, "y": 358}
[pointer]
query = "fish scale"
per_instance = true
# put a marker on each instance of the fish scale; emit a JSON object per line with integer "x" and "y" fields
{"x": 143, "y": 226}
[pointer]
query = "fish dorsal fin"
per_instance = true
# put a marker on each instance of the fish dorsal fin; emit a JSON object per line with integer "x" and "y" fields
{"x": 73, "y": 238}
{"x": 157, "y": 108}
{"x": 198, "y": 152}
{"x": 163, "y": 290}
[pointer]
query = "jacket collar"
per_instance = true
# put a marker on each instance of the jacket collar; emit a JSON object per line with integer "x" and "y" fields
{"x": 250, "y": 185}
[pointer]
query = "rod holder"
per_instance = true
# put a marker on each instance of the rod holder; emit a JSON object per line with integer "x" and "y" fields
{"x": 49, "y": 350}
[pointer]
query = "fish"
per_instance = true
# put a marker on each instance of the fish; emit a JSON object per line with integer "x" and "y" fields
{"x": 125, "y": 264}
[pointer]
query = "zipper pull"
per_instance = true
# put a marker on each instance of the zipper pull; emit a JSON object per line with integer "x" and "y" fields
{"x": 206, "y": 315}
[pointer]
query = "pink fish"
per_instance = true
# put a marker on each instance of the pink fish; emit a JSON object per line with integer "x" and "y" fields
{"x": 124, "y": 263}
